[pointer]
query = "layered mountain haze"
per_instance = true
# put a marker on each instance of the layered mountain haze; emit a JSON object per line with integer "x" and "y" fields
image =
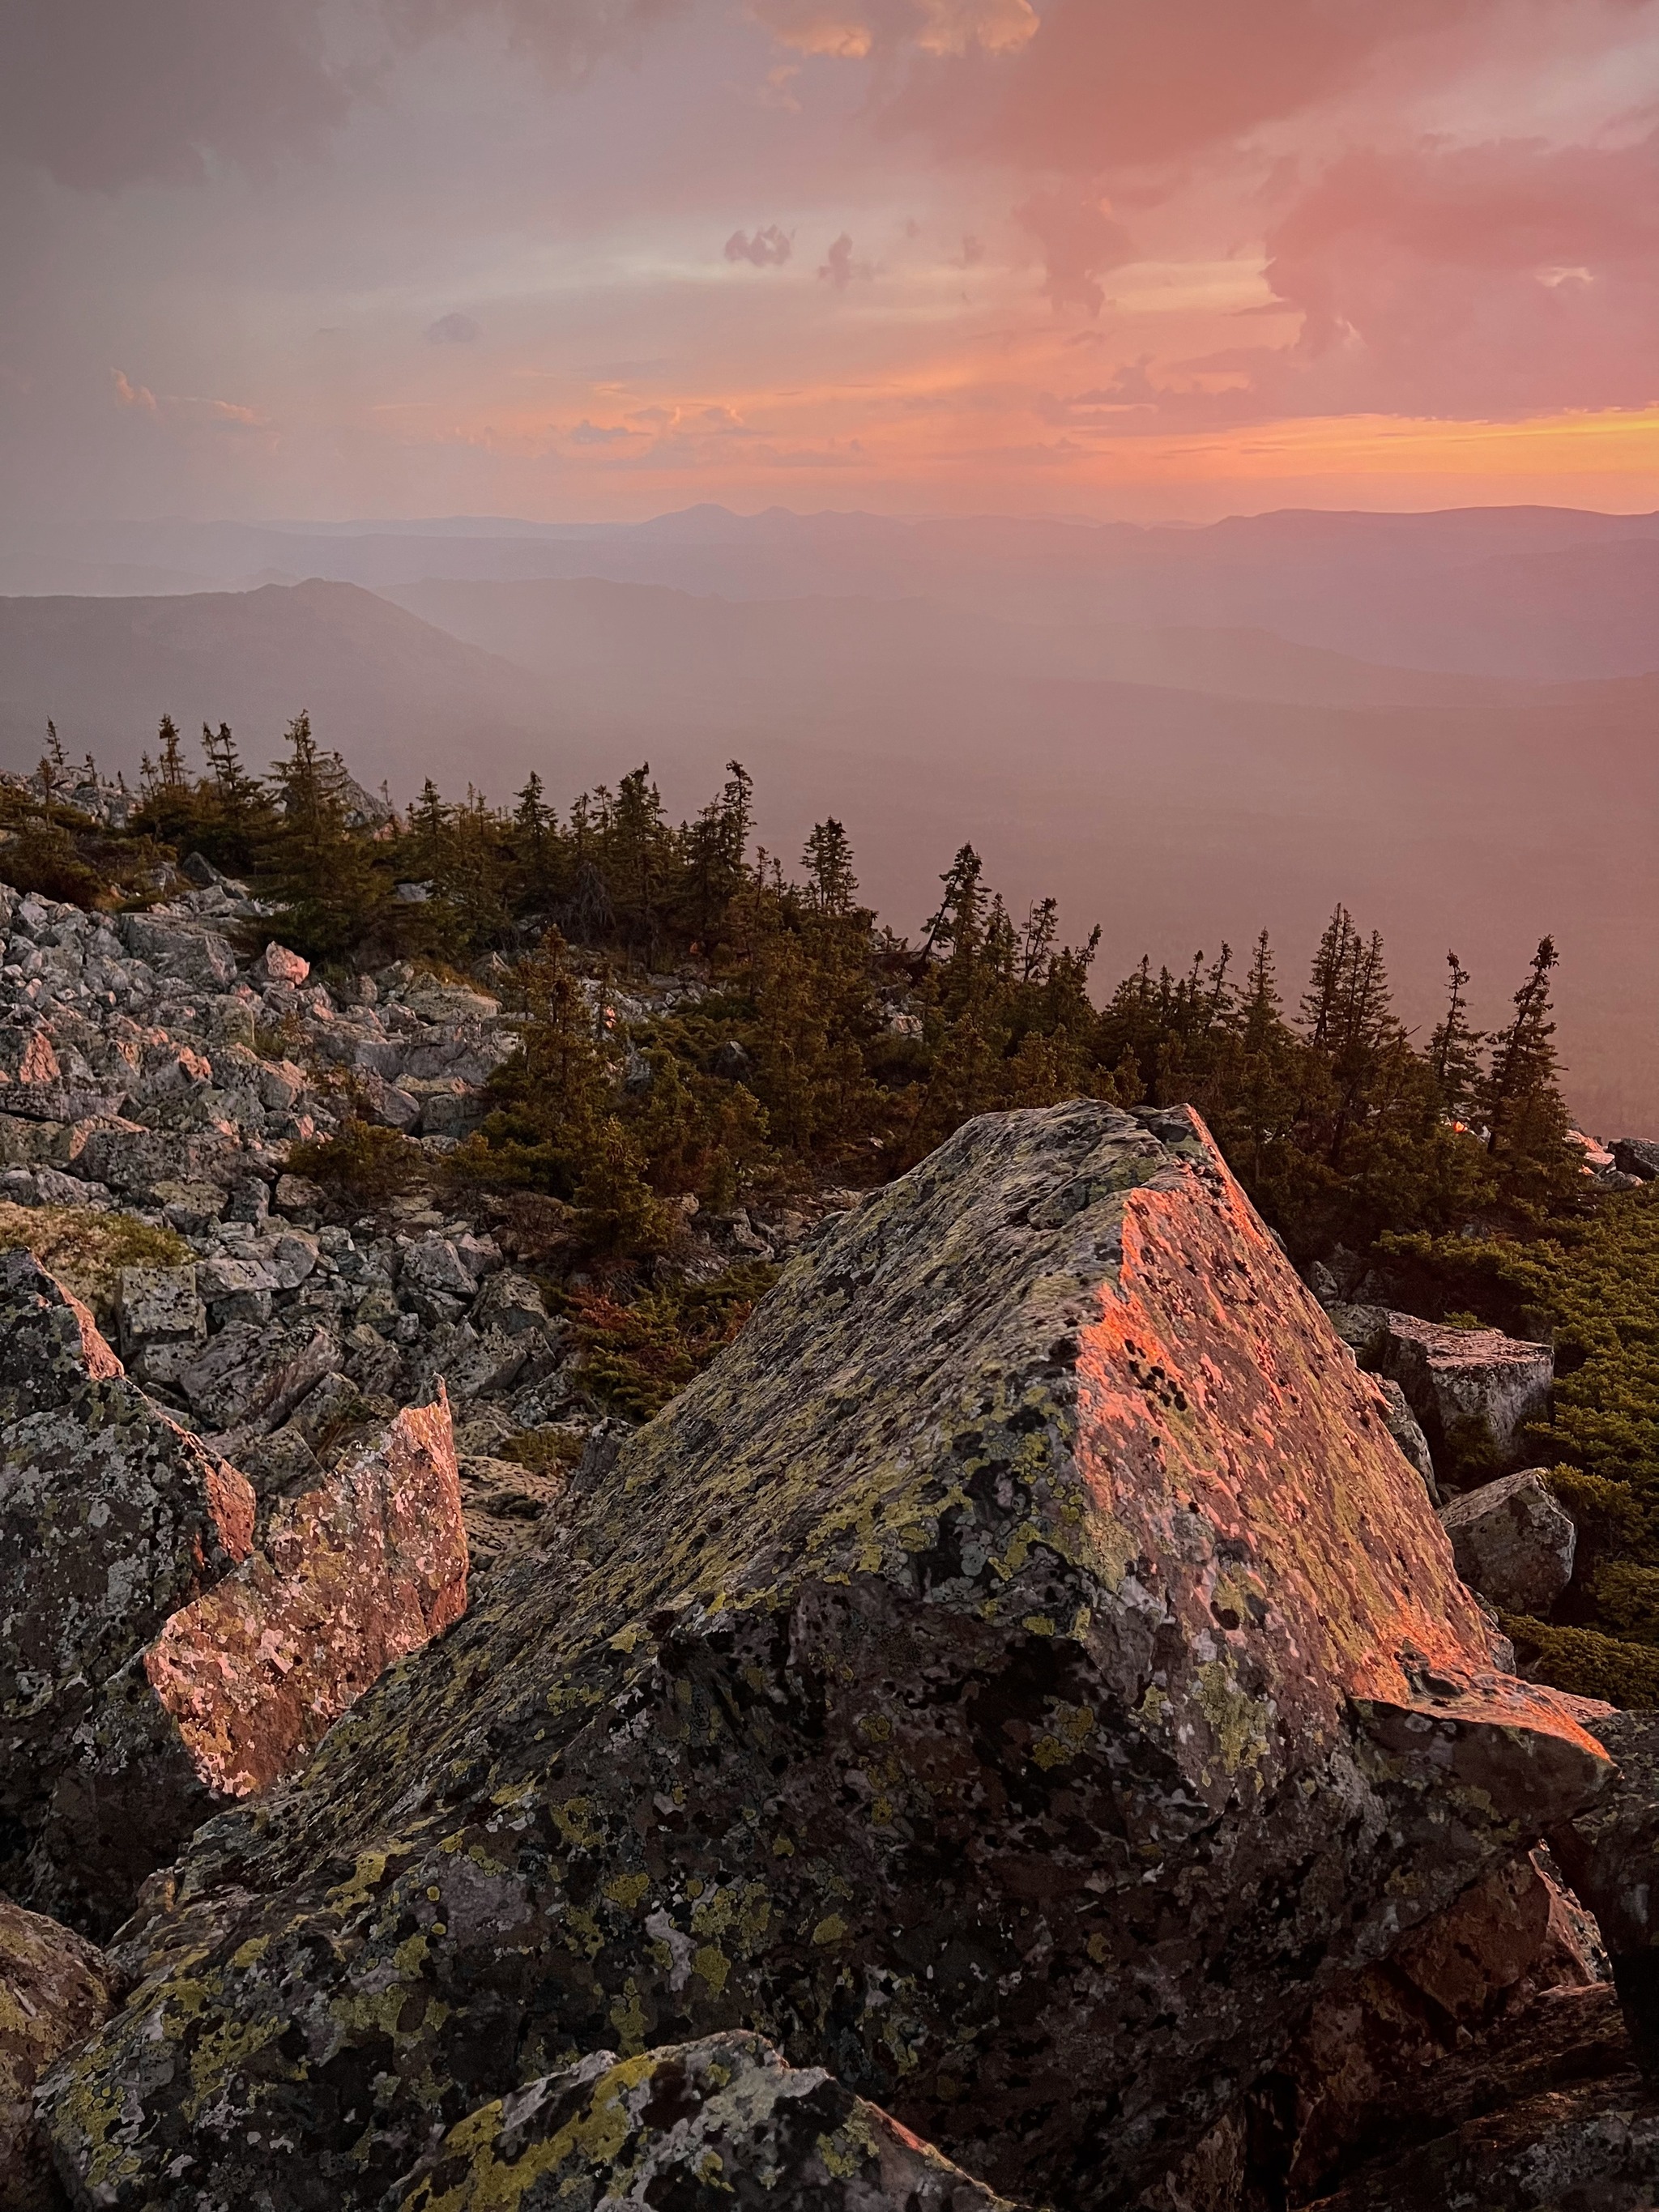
{"x": 1444, "y": 721}
{"x": 1546, "y": 593}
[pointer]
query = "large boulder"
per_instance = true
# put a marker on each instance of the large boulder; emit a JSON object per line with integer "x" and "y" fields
{"x": 1474, "y": 1389}
{"x": 238, "y": 1686}
{"x": 1513, "y": 1540}
{"x": 1017, "y": 1677}
{"x": 172, "y": 946}
{"x": 154, "y": 1665}
{"x": 55, "y": 1988}
{"x": 723, "y": 2125}
{"x": 111, "y": 1518}
{"x": 350, "y": 1577}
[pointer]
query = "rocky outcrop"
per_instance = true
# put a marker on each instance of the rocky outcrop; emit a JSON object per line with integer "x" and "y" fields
{"x": 1018, "y": 1678}
{"x": 1474, "y": 1389}
{"x": 55, "y": 1988}
{"x": 155, "y": 1664}
{"x": 1403, "y": 1426}
{"x": 1469, "y": 1392}
{"x": 1358, "y": 2077}
{"x": 350, "y": 1578}
{"x": 1514, "y": 1541}
{"x": 722, "y": 2125}
{"x": 1637, "y": 1157}
{"x": 1590, "y": 2144}
{"x": 111, "y": 1518}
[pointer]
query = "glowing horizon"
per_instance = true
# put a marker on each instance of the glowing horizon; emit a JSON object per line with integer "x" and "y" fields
{"x": 937, "y": 256}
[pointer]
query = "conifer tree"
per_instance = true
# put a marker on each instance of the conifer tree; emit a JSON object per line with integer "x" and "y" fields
{"x": 956, "y": 929}
{"x": 536, "y": 846}
{"x": 831, "y": 884}
{"x": 1261, "y": 1012}
{"x": 1524, "y": 1061}
{"x": 1454, "y": 1048}
{"x": 170, "y": 772}
{"x": 1526, "y": 1119}
{"x": 1332, "y": 962}
{"x": 333, "y": 882}
{"x": 241, "y": 812}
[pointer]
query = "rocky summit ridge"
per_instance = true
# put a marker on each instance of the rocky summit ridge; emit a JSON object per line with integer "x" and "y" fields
{"x": 1012, "y": 1732}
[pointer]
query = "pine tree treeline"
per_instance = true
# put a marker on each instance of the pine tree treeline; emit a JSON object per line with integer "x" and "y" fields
{"x": 829, "y": 1049}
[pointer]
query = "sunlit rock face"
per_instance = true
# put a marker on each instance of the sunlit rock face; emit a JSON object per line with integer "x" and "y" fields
{"x": 158, "y": 1664}
{"x": 111, "y": 1518}
{"x": 1016, "y": 1677}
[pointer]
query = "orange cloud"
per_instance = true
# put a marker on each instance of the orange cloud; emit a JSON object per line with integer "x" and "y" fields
{"x": 808, "y": 29}
{"x": 133, "y": 395}
{"x": 998, "y": 27}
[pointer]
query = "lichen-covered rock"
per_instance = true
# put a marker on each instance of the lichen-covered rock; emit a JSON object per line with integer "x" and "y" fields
{"x": 172, "y": 947}
{"x": 1468, "y": 1387}
{"x": 350, "y": 1577}
{"x": 162, "y": 1320}
{"x": 239, "y": 1685}
{"x": 1610, "y": 1854}
{"x": 1513, "y": 1540}
{"x": 1403, "y": 1426}
{"x": 1637, "y": 1157}
{"x": 722, "y": 2125}
{"x": 111, "y": 1518}
{"x": 1353, "y": 2082}
{"x": 1589, "y": 2147}
{"x": 1018, "y": 1676}
{"x": 277, "y": 964}
{"x": 55, "y": 1988}
{"x": 505, "y": 1507}
{"x": 249, "y": 1375}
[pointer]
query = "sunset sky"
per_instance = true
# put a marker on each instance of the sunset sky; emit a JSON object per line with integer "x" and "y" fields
{"x": 596, "y": 259}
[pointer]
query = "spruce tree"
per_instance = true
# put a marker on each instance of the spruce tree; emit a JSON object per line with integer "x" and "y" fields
{"x": 1454, "y": 1049}
{"x": 1526, "y": 1121}
{"x": 333, "y": 881}
{"x": 1523, "y": 1059}
{"x": 827, "y": 860}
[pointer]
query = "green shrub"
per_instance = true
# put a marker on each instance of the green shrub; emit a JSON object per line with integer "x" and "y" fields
{"x": 87, "y": 1251}
{"x": 543, "y": 1451}
{"x": 1585, "y": 1662}
{"x": 361, "y": 1165}
{"x": 637, "y": 1356}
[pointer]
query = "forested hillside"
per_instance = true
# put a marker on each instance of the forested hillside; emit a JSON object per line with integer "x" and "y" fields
{"x": 703, "y": 1025}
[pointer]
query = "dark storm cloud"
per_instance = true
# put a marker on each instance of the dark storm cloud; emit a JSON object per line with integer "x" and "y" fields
{"x": 106, "y": 92}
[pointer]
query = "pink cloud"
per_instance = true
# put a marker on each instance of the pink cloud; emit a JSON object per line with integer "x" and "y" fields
{"x": 838, "y": 269}
{"x": 1081, "y": 239}
{"x": 1105, "y": 85}
{"x": 1503, "y": 275}
{"x": 133, "y": 395}
{"x": 768, "y": 249}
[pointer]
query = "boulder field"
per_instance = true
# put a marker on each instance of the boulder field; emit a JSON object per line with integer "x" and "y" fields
{"x": 1010, "y": 1731}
